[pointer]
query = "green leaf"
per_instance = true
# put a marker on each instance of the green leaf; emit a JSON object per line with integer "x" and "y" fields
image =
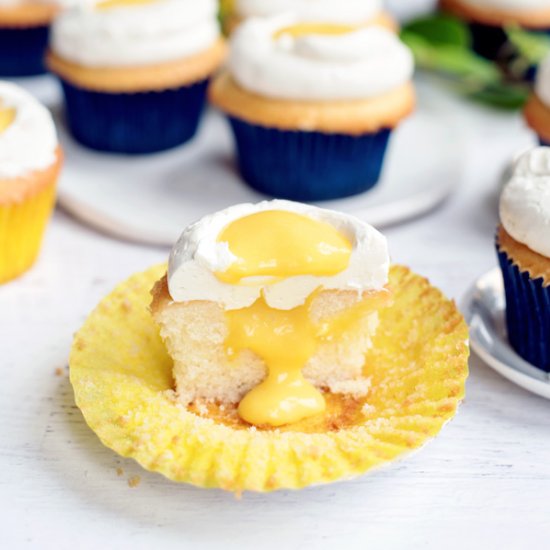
{"x": 532, "y": 46}
{"x": 440, "y": 30}
{"x": 503, "y": 96}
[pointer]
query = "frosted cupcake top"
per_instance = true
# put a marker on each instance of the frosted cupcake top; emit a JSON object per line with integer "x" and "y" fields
{"x": 336, "y": 11}
{"x": 119, "y": 33}
{"x": 200, "y": 256}
{"x": 284, "y": 58}
{"x": 525, "y": 202}
{"x": 28, "y": 140}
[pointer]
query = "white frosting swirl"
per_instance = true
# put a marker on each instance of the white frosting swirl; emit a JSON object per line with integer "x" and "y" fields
{"x": 140, "y": 34}
{"x": 542, "y": 84}
{"x": 525, "y": 202}
{"x": 358, "y": 65}
{"x": 510, "y": 5}
{"x": 29, "y": 143}
{"x": 198, "y": 255}
{"x": 351, "y": 12}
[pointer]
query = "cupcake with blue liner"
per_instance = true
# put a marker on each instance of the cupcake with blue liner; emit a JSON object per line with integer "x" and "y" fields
{"x": 523, "y": 245}
{"x": 346, "y": 12}
{"x": 489, "y": 20}
{"x": 537, "y": 109}
{"x": 135, "y": 72}
{"x": 24, "y": 31}
{"x": 312, "y": 105}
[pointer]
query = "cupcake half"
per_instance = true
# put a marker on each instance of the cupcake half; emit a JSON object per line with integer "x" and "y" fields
{"x": 537, "y": 110}
{"x": 488, "y": 20}
{"x": 30, "y": 161}
{"x": 523, "y": 245}
{"x": 280, "y": 351}
{"x": 134, "y": 74}
{"x": 346, "y": 12}
{"x": 312, "y": 105}
{"x": 24, "y": 31}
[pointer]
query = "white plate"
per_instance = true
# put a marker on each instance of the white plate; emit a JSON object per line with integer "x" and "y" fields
{"x": 150, "y": 199}
{"x": 484, "y": 308}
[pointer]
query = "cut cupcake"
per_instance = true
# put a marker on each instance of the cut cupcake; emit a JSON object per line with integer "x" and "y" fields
{"x": 488, "y": 20}
{"x": 346, "y": 12}
{"x": 537, "y": 109}
{"x": 265, "y": 306}
{"x": 27, "y": 180}
{"x": 312, "y": 105}
{"x": 134, "y": 73}
{"x": 24, "y": 31}
{"x": 523, "y": 245}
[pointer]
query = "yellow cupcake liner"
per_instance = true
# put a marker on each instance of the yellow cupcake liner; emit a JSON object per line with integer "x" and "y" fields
{"x": 121, "y": 375}
{"x": 22, "y": 226}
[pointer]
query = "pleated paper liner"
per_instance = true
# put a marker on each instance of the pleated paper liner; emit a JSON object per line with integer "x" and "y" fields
{"x": 22, "y": 226}
{"x": 22, "y": 50}
{"x": 122, "y": 381}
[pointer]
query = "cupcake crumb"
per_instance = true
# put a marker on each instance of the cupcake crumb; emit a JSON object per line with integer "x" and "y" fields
{"x": 119, "y": 472}
{"x": 59, "y": 371}
{"x": 134, "y": 481}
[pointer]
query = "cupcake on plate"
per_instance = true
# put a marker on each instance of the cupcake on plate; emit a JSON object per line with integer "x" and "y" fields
{"x": 488, "y": 20}
{"x": 24, "y": 30}
{"x": 30, "y": 161}
{"x": 344, "y": 12}
{"x": 537, "y": 110}
{"x": 313, "y": 105}
{"x": 281, "y": 350}
{"x": 523, "y": 245}
{"x": 135, "y": 73}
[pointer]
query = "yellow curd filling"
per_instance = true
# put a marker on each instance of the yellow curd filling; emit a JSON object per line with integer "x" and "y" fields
{"x": 279, "y": 245}
{"x": 306, "y": 29}
{"x": 7, "y": 116}
{"x": 110, "y": 4}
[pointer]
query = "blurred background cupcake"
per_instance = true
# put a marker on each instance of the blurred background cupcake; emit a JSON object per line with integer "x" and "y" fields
{"x": 24, "y": 30}
{"x": 490, "y": 20}
{"x": 349, "y": 12}
{"x": 30, "y": 161}
{"x": 537, "y": 110}
{"x": 135, "y": 72}
{"x": 523, "y": 245}
{"x": 312, "y": 105}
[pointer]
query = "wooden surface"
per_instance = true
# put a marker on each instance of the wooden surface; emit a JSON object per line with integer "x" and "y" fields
{"x": 483, "y": 483}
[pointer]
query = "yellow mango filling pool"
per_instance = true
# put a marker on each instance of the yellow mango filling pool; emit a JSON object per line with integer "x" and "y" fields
{"x": 112, "y": 4}
{"x": 7, "y": 116}
{"x": 306, "y": 29}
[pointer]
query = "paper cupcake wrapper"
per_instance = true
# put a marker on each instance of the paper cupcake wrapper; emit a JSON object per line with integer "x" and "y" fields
{"x": 492, "y": 43}
{"x": 308, "y": 166}
{"x": 121, "y": 375}
{"x": 134, "y": 123}
{"x": 527, "y": 313}
{"x": 22, "y": 51}
{"x": 22, "y": 227}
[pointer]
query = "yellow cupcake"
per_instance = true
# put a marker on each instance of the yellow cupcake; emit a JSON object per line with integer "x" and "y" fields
{"x": 27, "y": 181}
{"x": 265, "y": 408}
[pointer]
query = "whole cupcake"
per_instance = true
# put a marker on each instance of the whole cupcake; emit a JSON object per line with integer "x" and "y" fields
{"x": 488, "y": 20}
{"x": 346, "y": 12}
{"x": 30, "y": 161}
{"x": 135, "y": 73}
{"x": 537, "y": 110}
{"x": 523, "y": 244}
{"x": 24, "y": 30}
{"x": 313, "y": 105}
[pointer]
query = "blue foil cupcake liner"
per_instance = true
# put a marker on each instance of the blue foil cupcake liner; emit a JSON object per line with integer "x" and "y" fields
{"x": 527, "y": 313}
{"x": 492, "y": 43}
{"x": 134, "y": 123}
{"x": 308, "y": 166}
{"x": 22, "y": 51}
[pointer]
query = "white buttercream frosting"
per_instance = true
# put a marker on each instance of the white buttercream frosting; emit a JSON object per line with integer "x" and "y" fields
{"x": 510, "y": 5}
{"x": 198, "y": 255}
{"x": 357, "y": 65}
{"x": 542, "y": 84}
{"x": 525, "y": 202}
{"x": 30, "y": 142}
{"x": 351, "y": 12}
{"x": 134, "y": 35}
